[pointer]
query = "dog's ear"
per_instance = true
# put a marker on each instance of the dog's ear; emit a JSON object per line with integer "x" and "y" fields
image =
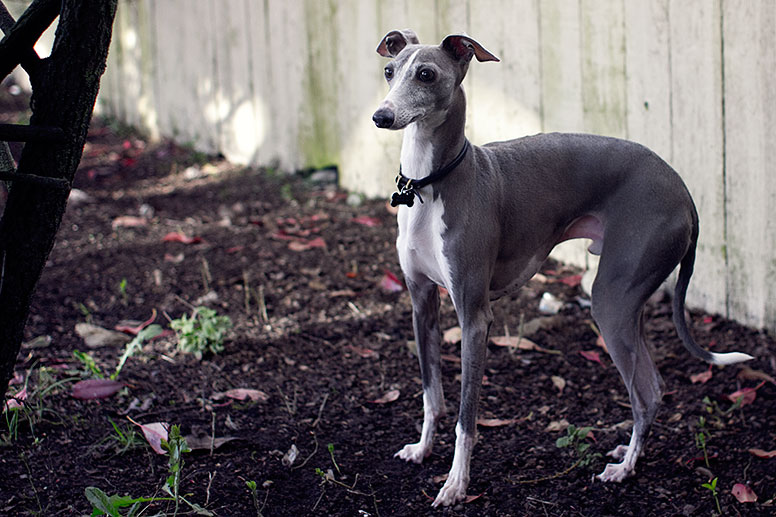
{"x": 462, "y": 48}
{"x": 395, "y": 41}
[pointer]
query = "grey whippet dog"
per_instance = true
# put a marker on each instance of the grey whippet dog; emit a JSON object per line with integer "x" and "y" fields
{"x": 487, "y": 217}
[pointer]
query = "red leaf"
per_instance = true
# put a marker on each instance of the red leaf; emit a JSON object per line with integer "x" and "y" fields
{"x": 747, "y": 395}
{"x": 95, "y": 389}
{"x": 763, "y": 454}
{"x": 179, "y": 237}
{"x": 235, "y": 249}
{"x": 302, "y": 245}
{"x": 365, "y": 353}
{"x": 743, "y": 493}
{"x": 591, "y": 355}
{"x": 154, "y": 434}
{"x": 129, "y": 329}
{"x": 16, "y": 401}
{"x": 702, "y": 377}
{"x": 391, "y": 283}
{"x": 388, "y": 397}
{"x": 370, "y": 222}
{"x": 572, "y": 281}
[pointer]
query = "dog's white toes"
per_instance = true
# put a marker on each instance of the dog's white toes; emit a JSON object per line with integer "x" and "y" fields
{"x": 618, "y": 452}
{"x": 414, "y": 452}
{"x": 453, "y": 491}
{"x": 615, "y": 472}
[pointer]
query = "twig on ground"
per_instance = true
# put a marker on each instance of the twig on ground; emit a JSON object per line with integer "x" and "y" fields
{"x": 320, "y": 409}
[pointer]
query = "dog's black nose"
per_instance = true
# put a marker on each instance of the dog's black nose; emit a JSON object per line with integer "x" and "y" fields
{"x": 383, "y": 118}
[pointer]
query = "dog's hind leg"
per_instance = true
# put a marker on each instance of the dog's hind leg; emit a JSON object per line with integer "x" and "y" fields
{"x": 425, "y": 321}
{"x": 627, "y": 276}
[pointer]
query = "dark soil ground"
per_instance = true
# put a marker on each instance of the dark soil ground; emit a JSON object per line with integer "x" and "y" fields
{"x": 314, "y": 329}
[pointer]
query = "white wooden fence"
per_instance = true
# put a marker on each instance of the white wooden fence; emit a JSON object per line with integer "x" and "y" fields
{"x": 292, "y": 83}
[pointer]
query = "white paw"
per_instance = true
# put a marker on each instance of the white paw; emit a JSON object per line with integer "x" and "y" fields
{"x": 414, "y": 452}
{"x": 618, "y": 452}
{"x": 453, "y": 491}
{"x": 615, "y": 472}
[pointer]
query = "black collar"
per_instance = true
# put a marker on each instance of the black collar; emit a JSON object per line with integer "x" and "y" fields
{"x": 409, "y": 188}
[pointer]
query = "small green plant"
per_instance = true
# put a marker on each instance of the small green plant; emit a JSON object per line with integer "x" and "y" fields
{"x": 712, "y": 487}
{"x": 88, "y": 363}
{"x": 204, "y": 331}
{"x": 175, "y": 445}
{"x": 124, "y": 437}
{"x": 574, "y": 440}
{"x": 29, "y": 405}
{"x": 86, "y": 359}
{"x": 123, "y": 291}
{"x": 702, "y": 436}
{"x": 330, "y": 447}
{"x": 252, "y": 487}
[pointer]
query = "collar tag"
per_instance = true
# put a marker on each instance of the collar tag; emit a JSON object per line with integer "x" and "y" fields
{"x": 409, "y": 188}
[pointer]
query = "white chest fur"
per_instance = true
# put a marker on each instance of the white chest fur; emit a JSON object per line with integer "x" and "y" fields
{"x": 420, "y": 245}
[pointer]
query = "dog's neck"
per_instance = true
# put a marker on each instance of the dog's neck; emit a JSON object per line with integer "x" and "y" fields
{"x": 430, "y": 144}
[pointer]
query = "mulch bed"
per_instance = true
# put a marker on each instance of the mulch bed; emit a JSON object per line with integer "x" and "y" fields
{"x": 323, "y": 330}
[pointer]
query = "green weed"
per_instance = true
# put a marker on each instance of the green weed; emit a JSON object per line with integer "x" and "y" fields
{"x": 574, "y": 440}
{"x": 203, "y": 331}
{"x": 712, "y": 487}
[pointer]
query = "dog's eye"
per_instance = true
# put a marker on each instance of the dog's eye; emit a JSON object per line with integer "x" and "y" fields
{"x": 426, "y": 75}
{"x": 388, "y": 73}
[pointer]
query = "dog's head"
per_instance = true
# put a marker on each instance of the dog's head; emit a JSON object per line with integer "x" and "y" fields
{"x": 423, "y": 78}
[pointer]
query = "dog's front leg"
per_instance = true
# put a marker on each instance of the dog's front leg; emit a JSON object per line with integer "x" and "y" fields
{"x": 475, "y": 322}
{"x": 425, "y": 321}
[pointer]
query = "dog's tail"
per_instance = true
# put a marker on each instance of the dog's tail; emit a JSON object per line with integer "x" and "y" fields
{"x": 685, "y": 272}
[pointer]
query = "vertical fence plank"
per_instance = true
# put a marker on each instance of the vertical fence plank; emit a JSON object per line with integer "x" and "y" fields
{"x": 234, "y": 112}
{"x": 603, "y": 66}
{"x": 696, "y": 86}
{"x": 185, "y": 80}
{"x": 648, "y": 68}
{"x": 504, "y": 98}
{"x": 750, "y": 124}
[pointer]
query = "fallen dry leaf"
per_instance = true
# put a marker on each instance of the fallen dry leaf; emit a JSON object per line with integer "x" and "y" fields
{"x": 242, "y": 394}
{"x": 95, "y": 336}
{"x": 128, "y": 221}
{"x": 366, "y": 353}
{"x": 591, "y": 355}
{"x": 450, "y": 358}
{"x": 452, "y": 335}
{"x": 744, "y": 493}
{"x": 496, "y": 422}
{"x": 17, "y": 400}
{"x": 746, "y": 373}
{"x": 388, "y": 397}
{"x": 571, "y": 281}
{"x": 367, "y": 221}
{"x": 91, "y": 389}
{"x": 179, "y": 237}
{"x": 558, "y": 382}
{"x": 205, "y": 442}
{"x": 129, "y": 328}
{"x": 763, "y": 454}
{"x": 601, "y": 343}
{"x": 747, "y": 395}
{"x": 302, "y": 245}
{"x": 557, "y": 425}
{"x": 154, "y": 434}
{"x": 516, "y": 342}
{"x": 391, "y": 283}
{"x": 702, "y": 377}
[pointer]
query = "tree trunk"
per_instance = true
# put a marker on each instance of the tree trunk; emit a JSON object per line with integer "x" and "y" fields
{"x": 65, "y": 88}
